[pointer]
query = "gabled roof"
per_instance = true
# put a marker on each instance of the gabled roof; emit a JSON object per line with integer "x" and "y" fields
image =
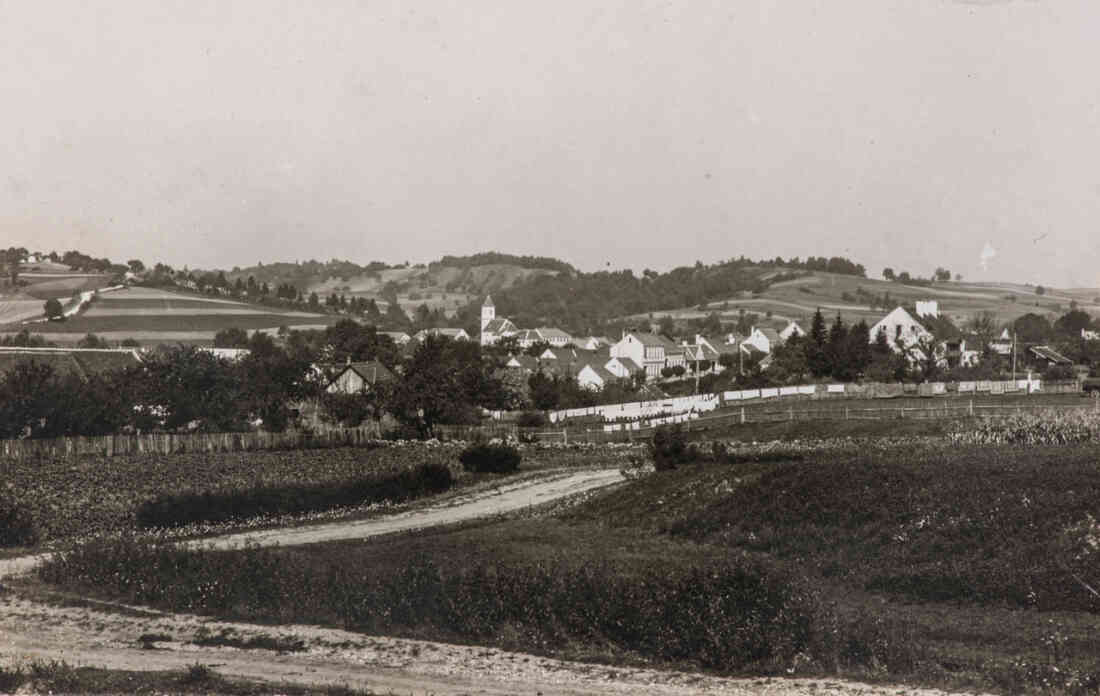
{"x": 500, "y": 326}
{"x": 371, "y": 371}
{"x": 602, "y": 372}
{"x": 1048, "y": 353}
{"x": 548, "y": 332}
{"x": 628, "y": 364}
{"x": 524, "y": 362}
{"x": 647, "y": 339}
{"x": 771, "y": 334}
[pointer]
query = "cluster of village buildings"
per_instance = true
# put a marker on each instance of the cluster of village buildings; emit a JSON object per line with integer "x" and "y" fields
{"x": 596, "y": 361}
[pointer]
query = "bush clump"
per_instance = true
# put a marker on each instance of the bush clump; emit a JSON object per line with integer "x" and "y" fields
{"x": 17, "y": 525}
{"x": 490, "y": 458}
{"x": 178, "y": 510}
{"x": 669, "y": 448}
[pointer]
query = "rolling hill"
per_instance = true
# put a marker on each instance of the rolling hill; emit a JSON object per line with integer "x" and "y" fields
{"x": 853, "y": 297}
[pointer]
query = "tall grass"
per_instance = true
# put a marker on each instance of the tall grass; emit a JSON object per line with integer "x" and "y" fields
{"x": 721, "y": 613}
{"x": 1048, "y": 427}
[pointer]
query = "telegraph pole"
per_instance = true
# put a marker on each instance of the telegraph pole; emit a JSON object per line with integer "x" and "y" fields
{"x": 1014, "y": 358}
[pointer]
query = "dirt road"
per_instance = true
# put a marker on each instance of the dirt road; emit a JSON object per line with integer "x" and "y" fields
{"x": 109, "y": 638}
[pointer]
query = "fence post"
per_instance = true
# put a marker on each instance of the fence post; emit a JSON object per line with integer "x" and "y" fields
{"x": 791, "y": 413}
{"x": 845, "y": 413}
{"x": 565, "y": 436}
{"x": 742, "y": 415}
{"x": 972, "y": 407}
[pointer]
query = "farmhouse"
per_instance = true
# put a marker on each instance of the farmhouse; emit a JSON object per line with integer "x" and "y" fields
{"x": 900, "y": 326}
{"x": 928, "y": 308}
{"x": 355, "y": 377}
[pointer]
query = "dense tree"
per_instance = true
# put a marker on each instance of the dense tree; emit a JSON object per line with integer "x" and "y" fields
{"x": 185, "y": 387}
{"x": 817, "y": 357}
{"x": 232, "y": 337}
{"x": 53, "y": 309}
{"x": 92, "y": 341}
{"x": 1072, "y": 322}
{"x": 1032, "y": 328}
{"x": 888, "y": 273}
{"x": 445, "y": 381}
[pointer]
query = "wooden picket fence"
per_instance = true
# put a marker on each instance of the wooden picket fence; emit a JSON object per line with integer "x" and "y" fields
{"x": 174, "y": 443}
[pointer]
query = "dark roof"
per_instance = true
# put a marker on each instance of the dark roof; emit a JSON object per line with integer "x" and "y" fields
{"x": 1048, "y": 353}
{"x": 629, "y": 364}
{"x": 371, "y": 371}
{"x": 499, "y": 325}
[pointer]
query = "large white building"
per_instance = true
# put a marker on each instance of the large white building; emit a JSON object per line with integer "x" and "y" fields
{"x": 900, "y": 328}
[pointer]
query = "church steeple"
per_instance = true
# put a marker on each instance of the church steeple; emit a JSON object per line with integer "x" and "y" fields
{"x": 488, "y": 313}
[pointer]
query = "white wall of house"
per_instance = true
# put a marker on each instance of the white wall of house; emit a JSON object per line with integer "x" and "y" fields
{"x": 900, "y": 324}
{"x": 650, "y": 356}
{"x": 589, "y": 378}
{"x": 758, "y": 340}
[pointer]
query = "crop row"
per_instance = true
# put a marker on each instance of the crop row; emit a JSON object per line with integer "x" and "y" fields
{"x": 1041, "y": 428}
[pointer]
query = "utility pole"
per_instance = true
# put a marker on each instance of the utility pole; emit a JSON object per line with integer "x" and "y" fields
{"x": 1014, "y": 358}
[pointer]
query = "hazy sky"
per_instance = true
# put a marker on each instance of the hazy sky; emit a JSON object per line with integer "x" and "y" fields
{"x": 911, "y": 133}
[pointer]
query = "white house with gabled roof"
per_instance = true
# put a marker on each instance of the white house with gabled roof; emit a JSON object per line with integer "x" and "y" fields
{"x": 902, "y": 331}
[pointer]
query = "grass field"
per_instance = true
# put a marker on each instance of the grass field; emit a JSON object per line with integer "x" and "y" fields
{"x": 152, "y": 316}
{"x": 798, "y": 299}
{"x": 959, "y": 567}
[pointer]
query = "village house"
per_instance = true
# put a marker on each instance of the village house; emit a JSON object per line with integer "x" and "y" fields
{"x": 900, "y": 327}
{"x": 594, "y": 377}
{"x": 592, "y": 342}
{"x": 791, "y": 329}
{"x": 645, "y": 349}
{"x": 1047, "y": 356}
{"x": 622, "y": 368}
{"x": 1003, "y": 344}
{"x": 453, "y": 334}
{"x": 398, "y": 337}
{"x": 355, "y": 377}
{"x": 764, "y": 340}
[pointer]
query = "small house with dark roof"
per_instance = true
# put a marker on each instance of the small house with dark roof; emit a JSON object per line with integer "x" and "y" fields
{"x": 355, "y": 377}
{"x": 1047, "y": 356}
{"x": 594, "y": 377}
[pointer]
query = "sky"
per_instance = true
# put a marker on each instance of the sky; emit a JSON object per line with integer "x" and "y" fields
{"x": 622, "y": 134}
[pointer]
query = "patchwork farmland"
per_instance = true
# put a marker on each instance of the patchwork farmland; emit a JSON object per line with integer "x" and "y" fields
{"x": 152, "y": 316}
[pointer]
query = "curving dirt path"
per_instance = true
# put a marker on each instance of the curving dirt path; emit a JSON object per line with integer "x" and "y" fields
{"x": 108, "y": 636}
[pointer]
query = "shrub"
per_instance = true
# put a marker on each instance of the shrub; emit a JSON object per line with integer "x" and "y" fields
{"x": 490, "y": 458}
{"x": 531, "y": 419}
{"x": 17, "y": 525}
{"x": 669, "y": 448}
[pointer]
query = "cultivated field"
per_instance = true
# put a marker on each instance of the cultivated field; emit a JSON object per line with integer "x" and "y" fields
{"x": 155, "y": 316}
{"x": 898, "y": 560}
{"x": 798, "y": 299}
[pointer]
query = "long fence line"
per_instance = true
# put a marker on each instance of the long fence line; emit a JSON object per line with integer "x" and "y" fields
{"x": 748, "y": 415}
{"x": 175, "y": 443}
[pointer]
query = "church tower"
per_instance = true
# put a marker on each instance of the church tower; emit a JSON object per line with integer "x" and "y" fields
{"x": 488, "y": 312}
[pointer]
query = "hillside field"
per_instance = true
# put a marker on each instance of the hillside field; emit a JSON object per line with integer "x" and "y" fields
{"x": 833, "y": 293}
{"x": 153, "y": 316}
